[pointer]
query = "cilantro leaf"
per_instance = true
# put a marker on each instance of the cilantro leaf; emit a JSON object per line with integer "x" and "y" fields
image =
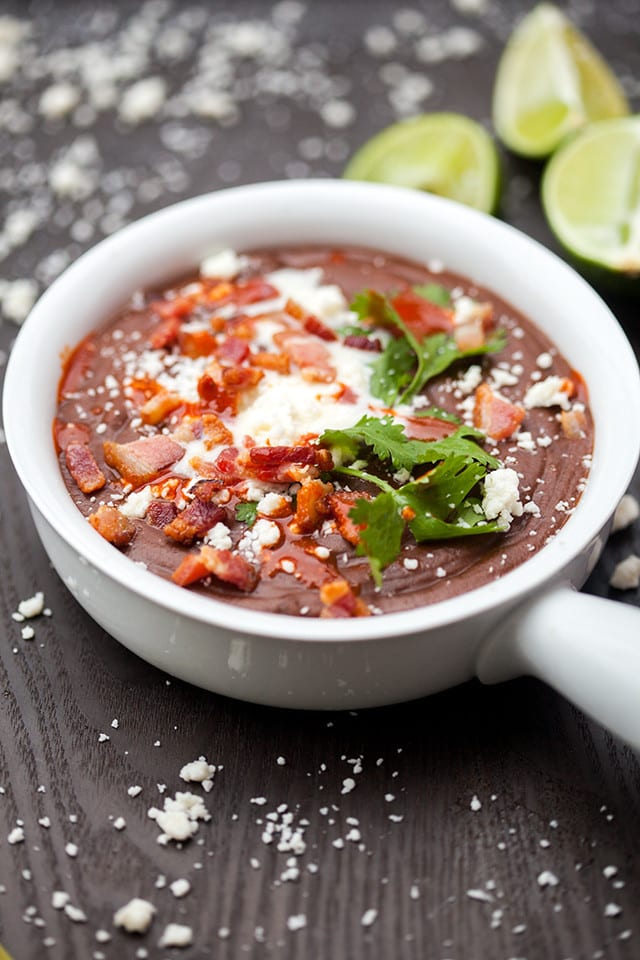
{"x": 391, "y": 371}
{"x": 247, "y": 512}
{"x": 436, "y": 412}
{"x": 382, "y": 531}
{"x": 435, "y": 292}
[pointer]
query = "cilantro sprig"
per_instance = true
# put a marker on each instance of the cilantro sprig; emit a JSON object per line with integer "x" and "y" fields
{"x": 437, "y": 504}
{"x": 247, "y": 512}
{"x": 407, "y": 364}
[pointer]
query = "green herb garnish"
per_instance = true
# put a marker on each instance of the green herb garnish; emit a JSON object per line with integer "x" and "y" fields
{"x": 247, "y": 512}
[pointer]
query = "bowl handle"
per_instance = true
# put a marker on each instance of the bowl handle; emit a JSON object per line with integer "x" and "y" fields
{"x": 585, "y": 647}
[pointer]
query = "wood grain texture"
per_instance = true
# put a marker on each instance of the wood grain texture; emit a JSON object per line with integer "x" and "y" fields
{"x": 555, "y": 792}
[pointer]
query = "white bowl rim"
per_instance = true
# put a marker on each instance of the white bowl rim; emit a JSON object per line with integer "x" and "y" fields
{"x": 582, "y": 528}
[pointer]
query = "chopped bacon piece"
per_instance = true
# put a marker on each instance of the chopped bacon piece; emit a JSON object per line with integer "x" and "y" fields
{"x": 339, "y": 600}
{"x": 340, "y": 505}
{"x": 189, "y": 570}
{"x": 312, "y": 357}
{"x": 207, "y": 490}
{"x": 494, "y": 415}
{"x": 573, "y": 423}
{"x": 232, "y": 351}
{"x": 158, "y": 407}
{"x": 197, "y": 343}
{"x": 194, "y": 521}
{"x": 270, "y": 361}
{"x": 311, "y": 506}
{"x": 142, "y": 460}
{"x": 175, "y": 309}
{"x": 470, "y": 332}
{"x": 428, "y": 428}
{"x": 161, "y": 512}
{"x": 66, "y": 433}
{"x": 165, "y": 334}
{"x": 221, "y": 290}
{"x": 274, "y": 456}
{"x": 359, "y": 341}
{"x": 112, "y": 525}
{"x": 254, "y": 290}
{"x": 214, "y": 431}
{"x": 421, "y": 315}
{"x": 229, "y": 567}
{"x": 310, "y": 322}
{"x": 220, "y": 386}
{"x": 579, "y": 387}
{"x": 83, "y": 468}
{"x": 225, "y": 468}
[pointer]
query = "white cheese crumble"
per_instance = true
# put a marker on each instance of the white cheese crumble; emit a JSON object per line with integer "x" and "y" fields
{"x": 547, "y": 879}
{"x": 18, "y": 296}
{"x": 547, "y": 393}
{"x": 32, "y": 607}
{"x": 180, "y": 888}
{"x": 142, "y": 100}
{"x": 627, "y": 512}
{"x": 626, "y": 574}
{"x": 501, "y": 499}
{"x": 369, "y": 917}
{"x": 16, "y": 836}
{"x": 176, "y": 935}
{"x": 135, "y": 916}
{"x": 223, "y": 265}
{"x": 198, "y": 771}
{"x": 296, "y": 922}
{"x": 305, "y": 287}
{"x": 137, "y": 503}
{"x": 219, "y": 536}
{"x": 469, "y": 380}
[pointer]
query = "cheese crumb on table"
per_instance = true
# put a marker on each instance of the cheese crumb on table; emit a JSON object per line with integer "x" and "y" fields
{"x": 627, "y": 512}
{"x": 32, "y": 607}
{"x": 626, "y": 575}
{"x": 176, "y": 935}
{"x": 135, "y": 916}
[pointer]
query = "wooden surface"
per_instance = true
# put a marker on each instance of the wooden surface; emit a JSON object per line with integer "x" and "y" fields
{"x": 488, "y": 787}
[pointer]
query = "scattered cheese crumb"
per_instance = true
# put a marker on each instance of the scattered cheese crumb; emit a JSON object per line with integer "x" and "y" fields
{"x": 369, "y": 917}
{"x": 180, "y": 888}
{"x": 32, "y": 607}
{"x": 224, "y": 265}
{"x": 627, "y": 512}
{"x": 551, "y": 392}
{"x": 501, "y": 496}
{"x": 142, "y": 100}
{"x": 612, "y": 910}
{"x": 547, "y": 879}
{"x": 297, "y": 921}
{"x": 626, "y": 575}
{"x": 176, "y": 935}
{"x": 135, "y": 916}
{"x": 16, "y": 835}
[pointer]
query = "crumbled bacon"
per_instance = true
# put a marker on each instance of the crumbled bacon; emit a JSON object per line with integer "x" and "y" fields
{"x": 189, "y": 570}
{"x": 142, "y": 460}
{"x": 312, "y": 357}
{"x": 112, "y": 525}
{"x": 252, "y": 291}
{"x": 421, "y": 315}
{"x": 83, "y": 467}
{"x": 214, "y": 431}
{"x": 494, "y": 415}
{"x": 340, "y": 505}
{"x": 165, "y": 334}
{"x": 232, "y": 351}
{"x": 175, "y": 309}
{"x": 310, "y": 322}
{"x": 161, "y": 512}
{"x": 312, "y": 506}
{"x": 359, "y": 341}
{"x": 270, "y": 361}
{"x": 471, "y": 332}
{"x": 229, "y": 567}
{"x": 194, "y": 521}
{"x": 209, "y": 490}
{"x": 276, "y": 455}
{"x": 157, "y": 408}
{"x": 573, "y": 423}
{"x": 339, "y": 600}
{"x": 197, "y": 343}
{"x": 220, "y": 386}
{"x": 66, "y": 433}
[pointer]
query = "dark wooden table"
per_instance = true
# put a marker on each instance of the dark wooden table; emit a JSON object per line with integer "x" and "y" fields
{"x": 492, "y": 822}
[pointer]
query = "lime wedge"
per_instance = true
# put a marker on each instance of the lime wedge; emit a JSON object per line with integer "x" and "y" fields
{"x": 443, "y": 153}
{"x": 550, "y": 82}
{"x": 591, "y": 196}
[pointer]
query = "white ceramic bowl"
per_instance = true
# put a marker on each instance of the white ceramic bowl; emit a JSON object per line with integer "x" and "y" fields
{"x": 530, "y": 620}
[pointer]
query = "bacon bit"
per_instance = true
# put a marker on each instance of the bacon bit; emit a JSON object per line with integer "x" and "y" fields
{"x": 494, "y": 415}
{"x": 112, "y": 525}
{"x": 470, "y": 334}
{"x": 579, "y": 387}
{"x": 270, "y": 361}
{"x": 359, "y": 341}
{"x": 214, "y": 431}
{"x": 251, "y": 291}
{"x": 189, "y": 570}
{"x": 408, "y": 513}
{"x": 142, "y": 460}
{"x": 175, "y": 309}
{"x": 209, "y": 490}
{"x": 339, "y": 600}
{"x": 346, "y": 394}
{"x": 573, "y": 423}
{"x": 158, "y": 407}
{"x": 311, "y": 506}
{"x": 83, "y": 467}
{"x": 160, "y": 513}
{"x": 221, "y": 290}
{"x": 227, "y": 463}
{"x": 194, "y": 521}
{"x": 233, "y": 351}
{"x": 242, "y": 326}
{"x": 340, "y": 505}
{"x": 427, "y": 428}
{"x": 196, "y": 343}
{"x": 221, "y": 385}
{"x": 422, "y": 316}
{"x": 310, "y": 322}
{"x": 67, "y": 433}
{"x": 165, "y": 334}
{"x": 77, "y": 367}
{"x": 312, "y": 357}
{"x": 229, "y": 567}
{"x": 274, "y": 456}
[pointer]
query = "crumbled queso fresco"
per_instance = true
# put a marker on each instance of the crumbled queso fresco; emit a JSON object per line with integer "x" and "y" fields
{"x": 245, "y": 431}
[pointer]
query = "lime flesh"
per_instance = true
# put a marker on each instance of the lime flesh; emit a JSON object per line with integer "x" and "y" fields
{"x": 442, "y": 153}
{"x": 550, "y": 82}
{"x": 591, "y": 196}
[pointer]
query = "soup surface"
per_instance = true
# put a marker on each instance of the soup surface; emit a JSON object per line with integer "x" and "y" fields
{"x": 314, "y": 431}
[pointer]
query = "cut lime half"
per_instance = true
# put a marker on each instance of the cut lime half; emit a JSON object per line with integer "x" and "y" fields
{"x": 443, "y": 153}
{"x": 550, "y": 82}
{"x": 591, "y": 196}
